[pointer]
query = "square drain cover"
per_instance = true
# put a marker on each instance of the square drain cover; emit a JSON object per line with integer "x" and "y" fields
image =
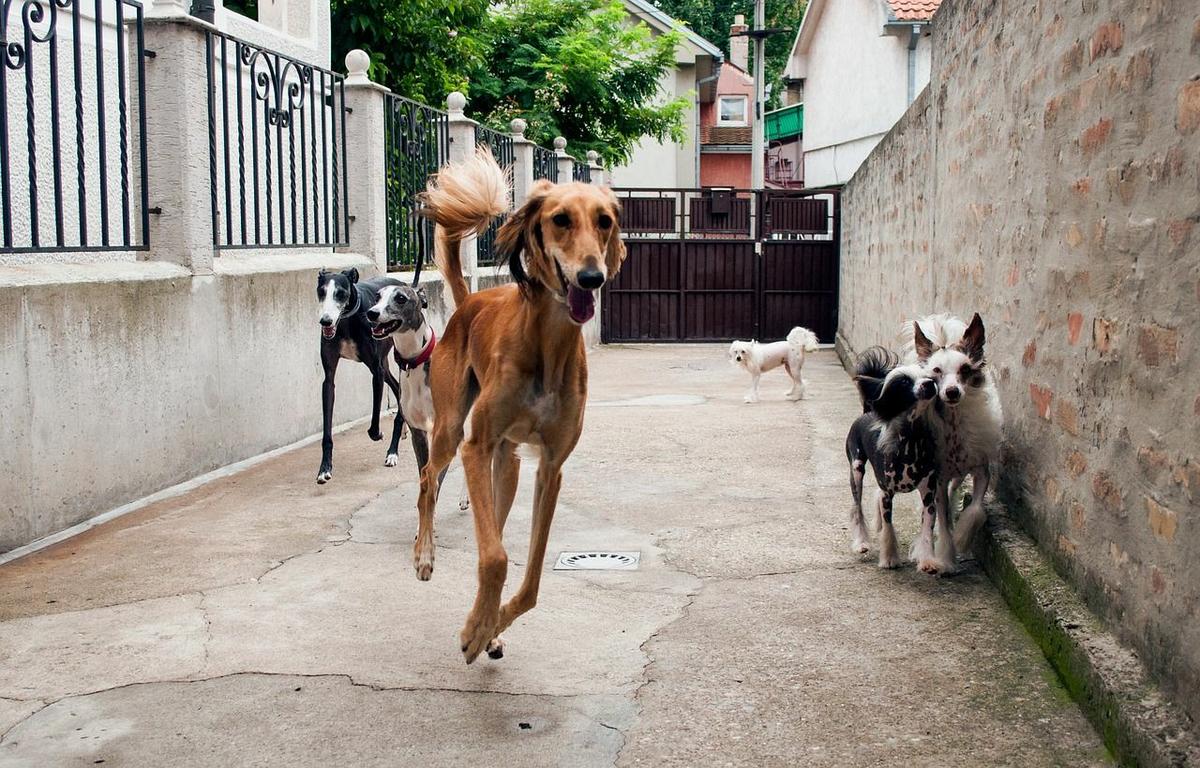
{"x": 598, "y": 561}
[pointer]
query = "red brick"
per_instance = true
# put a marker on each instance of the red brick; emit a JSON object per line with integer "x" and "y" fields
{"x": 1074, "y": 326}
{"x": 1158, "y": 345}
{"x": 1188, "y": 118}
{"x": 1041, "y": 397}
{"x": 1050, "y": 117}
{"x": 1014, "y": 276}
{"x": 1076, "y": 463}
{"x": 1082, "y": 187}
{"x": 1163, "y": 521}
{"x": 1105, "y": 490}
{"x": 1030, "y": 356}
{"x": 1066, "y": 545}
{"x": 1072, "y": 60}
{"x": 1078, "y": 516}
{"x": 1095, "y": 137}
{"x": 1179, "y": 230}
{"x": 1066, "y": 416}
{"x": 1074, "y": 235}
{"x": 1158, "y": 582}
{"x": 1109, "y": 38}
{"x": 1152, "y": 459}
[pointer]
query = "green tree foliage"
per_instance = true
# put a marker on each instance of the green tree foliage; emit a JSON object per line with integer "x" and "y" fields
{"x": 711, "y": 19}
{"x": 575, "y": 68}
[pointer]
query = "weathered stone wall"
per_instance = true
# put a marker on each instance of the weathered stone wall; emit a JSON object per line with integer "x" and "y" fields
{"x": 1050, "y": 179}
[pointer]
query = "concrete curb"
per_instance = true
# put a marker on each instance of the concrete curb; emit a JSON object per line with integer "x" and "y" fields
{"x": 1137, "y": 722}
{"x": 1140, "y": 726}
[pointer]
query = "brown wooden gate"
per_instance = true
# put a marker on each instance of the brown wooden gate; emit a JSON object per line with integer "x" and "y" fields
{"x": 716, "y": 265}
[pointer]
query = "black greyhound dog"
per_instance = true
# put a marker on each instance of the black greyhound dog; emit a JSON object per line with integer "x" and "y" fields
{"x": 346, "y": 332}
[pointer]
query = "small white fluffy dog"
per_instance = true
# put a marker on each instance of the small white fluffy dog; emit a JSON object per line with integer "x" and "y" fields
{"x": 757, "y": 359}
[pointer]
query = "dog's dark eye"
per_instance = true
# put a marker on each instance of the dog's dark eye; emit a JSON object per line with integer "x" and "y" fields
{"x": 937, "y": 371}
{"x": 401, "y": 298}
{"x": 605, "y": 221}
{"x": 561, "y": 220}
{"x": 966, "y": 371}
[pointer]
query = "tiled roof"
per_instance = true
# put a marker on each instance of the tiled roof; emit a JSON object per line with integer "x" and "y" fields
{"x": 914, "y": 10}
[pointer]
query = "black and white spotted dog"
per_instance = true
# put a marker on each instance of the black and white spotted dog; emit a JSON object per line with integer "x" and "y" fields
{"x": 346, "y": 333}
{"x": 895, "y": 437}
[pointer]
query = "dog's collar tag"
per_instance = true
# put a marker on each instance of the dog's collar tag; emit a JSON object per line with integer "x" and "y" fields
{"x": 421, "y": 359}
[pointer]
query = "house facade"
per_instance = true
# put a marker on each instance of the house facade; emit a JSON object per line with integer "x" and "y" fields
{"x": 727, "y": 121}
{"x": 698, "y": 67}
{"x": 858, "y": 64}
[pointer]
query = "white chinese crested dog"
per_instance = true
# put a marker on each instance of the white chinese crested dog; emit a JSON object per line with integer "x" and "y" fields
{"x": 968, "y": 418}
{"x": 757, "y": 359}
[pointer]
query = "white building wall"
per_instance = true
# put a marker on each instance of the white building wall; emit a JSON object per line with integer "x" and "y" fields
{"x": 666, "y": 164}
{"x": 856, "y": 87}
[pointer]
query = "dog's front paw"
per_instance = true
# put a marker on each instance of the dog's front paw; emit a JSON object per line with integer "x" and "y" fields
{"x": 374, "y": 433}
{"x": 477, "y": 634}
{"x": 889, "y": 562}
{"x": 749, "y": 399}
{"x": 391, "y": 460}
{"x": 930, "y": 566}
{"x": 324, "y": 475}
{"x": 859, "y": 546}
{"x": 423, "y": 561}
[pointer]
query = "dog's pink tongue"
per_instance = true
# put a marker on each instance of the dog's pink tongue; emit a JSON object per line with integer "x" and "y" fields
{"x": 581, "y": 304}
{"x": 328, "y": 330}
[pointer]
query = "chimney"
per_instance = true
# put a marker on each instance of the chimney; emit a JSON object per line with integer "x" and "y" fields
{"x": 739, "y": 47}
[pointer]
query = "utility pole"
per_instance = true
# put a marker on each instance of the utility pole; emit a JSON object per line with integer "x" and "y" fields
{"x": 759, "y": 127}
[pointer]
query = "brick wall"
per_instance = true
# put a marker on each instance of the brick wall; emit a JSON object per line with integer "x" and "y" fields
{"x": 1050, "y": 179}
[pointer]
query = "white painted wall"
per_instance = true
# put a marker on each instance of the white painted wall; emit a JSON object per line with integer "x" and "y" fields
{"x": 856, "y": 87}
{"x": 666, "y": 164}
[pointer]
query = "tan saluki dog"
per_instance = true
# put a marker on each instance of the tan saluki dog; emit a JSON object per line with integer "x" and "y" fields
{"x": 512, "y": 356}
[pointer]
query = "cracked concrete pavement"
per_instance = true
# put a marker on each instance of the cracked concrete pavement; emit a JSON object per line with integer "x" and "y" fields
{"x": 265, "y": 620}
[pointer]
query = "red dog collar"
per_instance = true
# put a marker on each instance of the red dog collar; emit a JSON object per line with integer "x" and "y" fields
{"x": 421, "y": 359}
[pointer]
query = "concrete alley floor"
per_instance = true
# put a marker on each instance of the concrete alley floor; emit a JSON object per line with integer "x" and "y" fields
{"x": 265, "y": 620}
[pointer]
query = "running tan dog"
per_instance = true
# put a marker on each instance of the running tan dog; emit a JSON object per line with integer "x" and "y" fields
{"x": 515, "y": 353}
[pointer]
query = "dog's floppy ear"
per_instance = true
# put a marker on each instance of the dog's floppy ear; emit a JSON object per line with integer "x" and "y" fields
{"x": 351, "y": 274}
{"x": 521, "y": 232}
{"x": 894, "y": 398}
{"x": 923, "y": 345}
{"x": 424, "y": 298}
{"x": 973, "y": 339}
{"x": 615, "y": 254}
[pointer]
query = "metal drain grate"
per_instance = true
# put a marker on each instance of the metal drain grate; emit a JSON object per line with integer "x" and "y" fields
{"x": 598, "y": 561}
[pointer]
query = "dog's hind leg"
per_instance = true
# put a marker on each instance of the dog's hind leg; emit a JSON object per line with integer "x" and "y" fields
{"x": 506, "y": 470}
{"x": 974, "y": 516}
{"x": 945, "y": 554}
{"x": 545, "y": 499}
{"x": 325, "y": 472}
{"x": 861, "y": 542}
{"x": 889, "y": 548}
{"x": 376, "y": 401}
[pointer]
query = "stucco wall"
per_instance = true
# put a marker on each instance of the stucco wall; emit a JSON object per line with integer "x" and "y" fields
{"x": 856, "y": 87}
{"x": 119, "y": 380}
{"x": 1049, "y": 179}
{"x": 665, "y": 164}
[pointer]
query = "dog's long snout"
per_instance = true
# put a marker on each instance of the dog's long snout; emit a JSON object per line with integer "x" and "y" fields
{"x": 373, "y": 315}
{"x": 326, "y": 320}
{"x": 590, "y": 279}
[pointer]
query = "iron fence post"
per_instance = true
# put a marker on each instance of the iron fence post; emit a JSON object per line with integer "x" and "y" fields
{"x": 365, "y": 132}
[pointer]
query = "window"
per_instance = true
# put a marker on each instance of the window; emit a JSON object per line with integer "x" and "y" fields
{"x": 731, "y": 110}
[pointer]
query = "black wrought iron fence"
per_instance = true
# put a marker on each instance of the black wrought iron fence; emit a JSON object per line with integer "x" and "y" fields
{"x": 502, "y": 149}
{"x": 545, "y": 164}
{"x": 277, "y": 149}
{"x": 581, "y": 172}
{"x": 73, "y": 127}
{"x": 417, "y": 143}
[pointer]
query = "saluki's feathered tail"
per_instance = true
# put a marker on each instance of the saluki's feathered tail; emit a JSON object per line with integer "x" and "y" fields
{"x": 871, "y": 368}
{"x": 463, "y": 199}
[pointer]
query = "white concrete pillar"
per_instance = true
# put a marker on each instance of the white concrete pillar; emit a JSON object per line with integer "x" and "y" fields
{"x": 523, "y": 162}
{"x": 566, "y": 163}
{"x": 462, "y": 146}
{"x": 365, "y": 161}
{"x": 177, "y": 137}
{"x": 593, "y": 159}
